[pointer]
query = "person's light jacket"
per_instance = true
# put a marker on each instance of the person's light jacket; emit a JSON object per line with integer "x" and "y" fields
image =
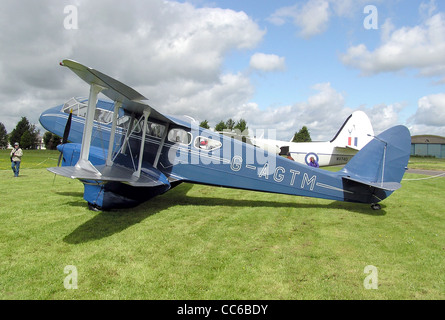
{"x": 16, "y": 154}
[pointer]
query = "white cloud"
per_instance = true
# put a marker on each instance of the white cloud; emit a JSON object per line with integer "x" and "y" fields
{"x": 429, "y": 117}
{"x": 311, "y": 18}
{"x": 267, "y": 62}
{"x": 213, "y": 102}
{"x": 427, "y": 9}
{"x": 323, "y": 113}
{"x": 430, "y": 112}
{"x": 421, "y": 47}
{"x": 171, "y": 52}
{"x": 383, "y": 116}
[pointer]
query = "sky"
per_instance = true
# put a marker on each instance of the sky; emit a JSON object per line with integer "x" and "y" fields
{"x": 278, "y": 64}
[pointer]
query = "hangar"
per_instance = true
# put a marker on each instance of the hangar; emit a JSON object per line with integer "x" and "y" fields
{"x": 428, "y": 145}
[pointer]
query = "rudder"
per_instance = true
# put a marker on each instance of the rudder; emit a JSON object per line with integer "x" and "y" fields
{"x": 382, "y": 163}
{"x": 355, "y": 132}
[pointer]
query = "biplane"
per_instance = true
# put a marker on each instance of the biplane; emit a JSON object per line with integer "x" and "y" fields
{"x": 352, "y": 136}
{"x": 125, "y": 152}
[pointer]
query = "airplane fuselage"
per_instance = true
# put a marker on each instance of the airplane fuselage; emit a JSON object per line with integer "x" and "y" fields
{"x": 125, "y": 152}
{"x": 189, "y": 153}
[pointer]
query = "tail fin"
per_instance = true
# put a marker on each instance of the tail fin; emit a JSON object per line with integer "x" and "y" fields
{"x": 381, "y": 164}
{"x": 355, "y": 133}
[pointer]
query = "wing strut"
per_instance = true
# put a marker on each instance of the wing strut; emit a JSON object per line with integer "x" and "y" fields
{"x": 161, "y": 145}
{"x": 117, "y": 105}
{"x": 83, "y": 162}
{"x": 141, "y": 152}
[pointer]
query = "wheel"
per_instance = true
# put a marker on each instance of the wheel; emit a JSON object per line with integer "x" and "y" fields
{"x": 375, "y": 206}
{"x": 93, "y": 207}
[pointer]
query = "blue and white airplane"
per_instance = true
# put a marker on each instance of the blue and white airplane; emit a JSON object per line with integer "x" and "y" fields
{"x": 125, "y": 152}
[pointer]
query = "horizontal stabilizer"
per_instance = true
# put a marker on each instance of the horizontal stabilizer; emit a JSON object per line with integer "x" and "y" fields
{"x": 389, "y": 186}
{"x": 113, "y": 173}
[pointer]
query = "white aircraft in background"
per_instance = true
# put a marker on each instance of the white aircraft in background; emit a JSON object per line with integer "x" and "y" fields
{"x": 354, "y": 134}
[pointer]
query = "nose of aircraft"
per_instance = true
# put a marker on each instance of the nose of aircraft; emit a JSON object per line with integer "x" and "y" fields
{"x": 53, "y": 120}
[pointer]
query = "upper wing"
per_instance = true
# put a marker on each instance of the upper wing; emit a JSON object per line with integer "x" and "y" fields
{"x": 115, "y": 90}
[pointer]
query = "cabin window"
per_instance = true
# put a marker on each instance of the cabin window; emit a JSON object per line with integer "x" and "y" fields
{"x": 179, "y": 136}
{"x": 123, "y": 122}
{"x": 155, "y": 129}
{"x": 103, "y": 116}
{"x": 207, "y": 144}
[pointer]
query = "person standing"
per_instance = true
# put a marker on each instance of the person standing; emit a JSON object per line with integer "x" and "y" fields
{"x": 16, "y": 158}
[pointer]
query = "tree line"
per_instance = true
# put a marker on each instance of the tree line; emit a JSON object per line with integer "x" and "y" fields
{"x": 302, "y": 135}
{"x": 28, "y": 136}
{"x": 230, "y": 125}
{"x": 25, "y": 133}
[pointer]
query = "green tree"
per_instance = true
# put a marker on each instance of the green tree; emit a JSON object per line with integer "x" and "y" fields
{"x": 204, "y": 124}
{"x": 3, "y": 136}
{"x": 230, "y": 124}
{"x": 241, "y": 125}
{"x": 26, "y": 140}
{"x": 302, "y": 136}
{"x": 221, "y": 126}
{"x": 31, "y": 137}
{"x": 51, "y": 140}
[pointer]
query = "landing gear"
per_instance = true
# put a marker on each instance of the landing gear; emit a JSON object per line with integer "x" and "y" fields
{"x": 93, "y": 207}
{"x": 375, "y": 206}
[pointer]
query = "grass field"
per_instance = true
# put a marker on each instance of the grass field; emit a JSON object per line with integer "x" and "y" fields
{"x": 201, "y": 242}
{"x": 426, "y": 163}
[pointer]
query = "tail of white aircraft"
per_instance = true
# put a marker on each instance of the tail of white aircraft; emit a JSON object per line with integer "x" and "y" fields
{"x": 355, "y": 133}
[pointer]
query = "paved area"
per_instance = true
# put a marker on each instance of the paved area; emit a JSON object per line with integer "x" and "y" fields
{"x": 426, "y": 172}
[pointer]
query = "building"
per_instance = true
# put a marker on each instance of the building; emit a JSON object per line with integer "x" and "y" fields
{"x": 428, "y": 145}
{"x": 40, "y": 143}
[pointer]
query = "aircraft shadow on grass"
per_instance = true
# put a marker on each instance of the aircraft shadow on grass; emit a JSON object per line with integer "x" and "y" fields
{"x": 108, "y": 223}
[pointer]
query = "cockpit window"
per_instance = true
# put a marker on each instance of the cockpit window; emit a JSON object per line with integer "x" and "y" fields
{"x": 79, "y": 107}
{"x": 179, "y": 136}
{"x": 207, "y": 144}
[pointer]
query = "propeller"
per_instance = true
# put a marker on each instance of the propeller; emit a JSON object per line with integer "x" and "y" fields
{"x": 66, "y": 133}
